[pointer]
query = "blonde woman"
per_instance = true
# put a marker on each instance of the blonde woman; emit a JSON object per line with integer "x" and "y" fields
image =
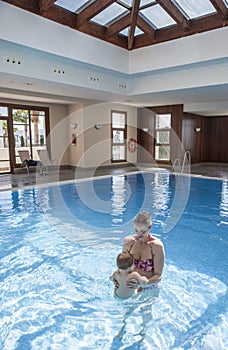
{"x": 148, "y": 251}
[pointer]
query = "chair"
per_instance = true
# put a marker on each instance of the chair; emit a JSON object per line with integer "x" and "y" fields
{"x": 26, "y": 161}
{"x": 45, "y": 161}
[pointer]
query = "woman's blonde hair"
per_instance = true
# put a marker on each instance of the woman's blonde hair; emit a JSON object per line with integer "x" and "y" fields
{"x": 143, "y": 217}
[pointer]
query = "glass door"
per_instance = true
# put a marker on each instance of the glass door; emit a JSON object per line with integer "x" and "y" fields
{"x": 4, "y": 142}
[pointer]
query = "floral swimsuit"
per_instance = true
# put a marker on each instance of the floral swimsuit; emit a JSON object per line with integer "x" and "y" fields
{"x": 146, "y": 265}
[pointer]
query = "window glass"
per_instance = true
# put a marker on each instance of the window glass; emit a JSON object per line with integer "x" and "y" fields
{"x": 118, "y": 120}
{"x": 20, "y": 116}
{"x": 118, "y": 153}
{"x": 162, "y": 141}
{"x": 126, "y": 30}
{"x": 118, "y": 136}
{"x": 109, "y": 14}
{"x": 38, "y": 128}
{"x": 163, "y": 137}
{"x": 162, "y": 152}
{"x": 157, "y": 16}
{"x": 3, "y": 111}
{"x": 71, "y": 5}
{"x": 195, "y": 8}
{"x": 163, "y": 121}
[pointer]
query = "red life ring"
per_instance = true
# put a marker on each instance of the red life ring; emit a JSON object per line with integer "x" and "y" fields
{"x": 132, "y": 145}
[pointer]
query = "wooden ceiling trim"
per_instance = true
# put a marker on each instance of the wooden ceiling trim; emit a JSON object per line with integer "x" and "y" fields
{"x": 92, "y": 10}
{"x": 45, "y": 4}
{"x": 119, "y": 25}
{"x": 134, "y": 16}
{"x": 174, "y": 12}
{"x": 32, "y": 5}
{"x": 175, "y": 32}
{"x": 220, "y": 7}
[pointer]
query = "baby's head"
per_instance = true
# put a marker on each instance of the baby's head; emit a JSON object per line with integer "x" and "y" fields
{"x": 124, "y": 260}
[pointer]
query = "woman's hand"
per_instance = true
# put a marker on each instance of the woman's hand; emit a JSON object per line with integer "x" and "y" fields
{"x": 133, "y": 283}
{"x": 116, "y": 284}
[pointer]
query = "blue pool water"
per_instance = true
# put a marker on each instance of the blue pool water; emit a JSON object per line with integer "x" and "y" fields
{"x": 59, "y": 245}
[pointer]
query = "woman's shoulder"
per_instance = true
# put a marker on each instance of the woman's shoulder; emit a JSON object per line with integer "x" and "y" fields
{"x": 156, "y": 241}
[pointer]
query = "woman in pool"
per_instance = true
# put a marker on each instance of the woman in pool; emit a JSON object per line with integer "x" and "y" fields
{"x": 148, "y": 251}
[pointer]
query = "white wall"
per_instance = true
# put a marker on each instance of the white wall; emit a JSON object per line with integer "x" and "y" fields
{"x": 45, "y": 35}
{"x": 98, "y": 142}
{"x": 197, "y": 48}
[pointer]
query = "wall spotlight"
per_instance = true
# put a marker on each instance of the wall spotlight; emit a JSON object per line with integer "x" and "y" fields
{"x": 145, "y": 129}
{"x": 73, "y": 126}
{"x": 98, "y": 126}
{"x": 197, "y": 129}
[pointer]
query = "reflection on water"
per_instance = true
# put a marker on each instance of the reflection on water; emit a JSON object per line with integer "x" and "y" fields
{"x": 224, "y": 202}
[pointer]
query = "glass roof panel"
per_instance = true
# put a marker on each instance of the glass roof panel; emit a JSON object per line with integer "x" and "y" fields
{"x": 127, "y": 2}
{"x": 195, "y": 8}
{"x": 71, "y": 5}
{"x": 142, "y": 2}
{"x": 125, "y": 31}
{"x": 146, "y": 2}
{"x": 157, "y": 16}
{"x": 109, "y": 14}
{"x": 226, "y": 2}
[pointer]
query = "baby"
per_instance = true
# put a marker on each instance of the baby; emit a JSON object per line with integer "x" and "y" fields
{"x": 125, "y": 263}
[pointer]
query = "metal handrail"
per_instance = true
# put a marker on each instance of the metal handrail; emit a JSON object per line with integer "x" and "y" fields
{"x": 176, "y": 162}
{"x": 187, "y": 155}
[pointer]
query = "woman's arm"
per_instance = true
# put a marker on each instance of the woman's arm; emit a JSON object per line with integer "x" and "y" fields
{"x": 158, "y": 259}
{"x": 142, "y": 280}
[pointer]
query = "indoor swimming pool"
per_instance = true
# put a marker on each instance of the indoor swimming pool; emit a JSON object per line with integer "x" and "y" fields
{"x": 59, "y": 245}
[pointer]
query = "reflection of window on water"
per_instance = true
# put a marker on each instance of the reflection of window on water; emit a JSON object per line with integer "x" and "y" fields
{"x": 160, "y": 193}
{"x": 224, "y": 200}
{"x": 118, "y": 198}
{"x": 118, "y": 153}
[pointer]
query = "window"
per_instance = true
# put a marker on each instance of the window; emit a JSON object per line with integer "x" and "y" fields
{"x": 29, "y": 131}
{"x": 119, "y": 135}
{"x": 162, "y": 143}
{"x": 22, "y": 128}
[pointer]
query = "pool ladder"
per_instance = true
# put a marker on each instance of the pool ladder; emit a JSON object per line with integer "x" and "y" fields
{"x": 187, "y": 157}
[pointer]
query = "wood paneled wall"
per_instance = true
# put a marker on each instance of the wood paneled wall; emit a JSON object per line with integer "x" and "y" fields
{"x": 147, "y": 141}
{"x": 208, "y": 145}
{"x": 217, "y": 139}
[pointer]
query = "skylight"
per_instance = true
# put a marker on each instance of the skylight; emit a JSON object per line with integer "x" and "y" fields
{"x": 195, "y": 8}
{"x": 157, "y": 16}
{"x": 226, "y": 2}
{"x": 126, "y": 30}
{"x": 109, "y": 14}
{"x": 71, "y": 5}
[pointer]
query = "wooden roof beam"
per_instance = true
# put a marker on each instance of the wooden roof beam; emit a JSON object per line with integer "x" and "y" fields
{"x": 45, "y": 5}
{"x": 92, "y": 10}
{"x": 119, "y": 25}
{"x": 134, "y": 16}
{"x": 220, "y": 7}
{"x": 175, "y": 13}
{"x": 145, "y": 27}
